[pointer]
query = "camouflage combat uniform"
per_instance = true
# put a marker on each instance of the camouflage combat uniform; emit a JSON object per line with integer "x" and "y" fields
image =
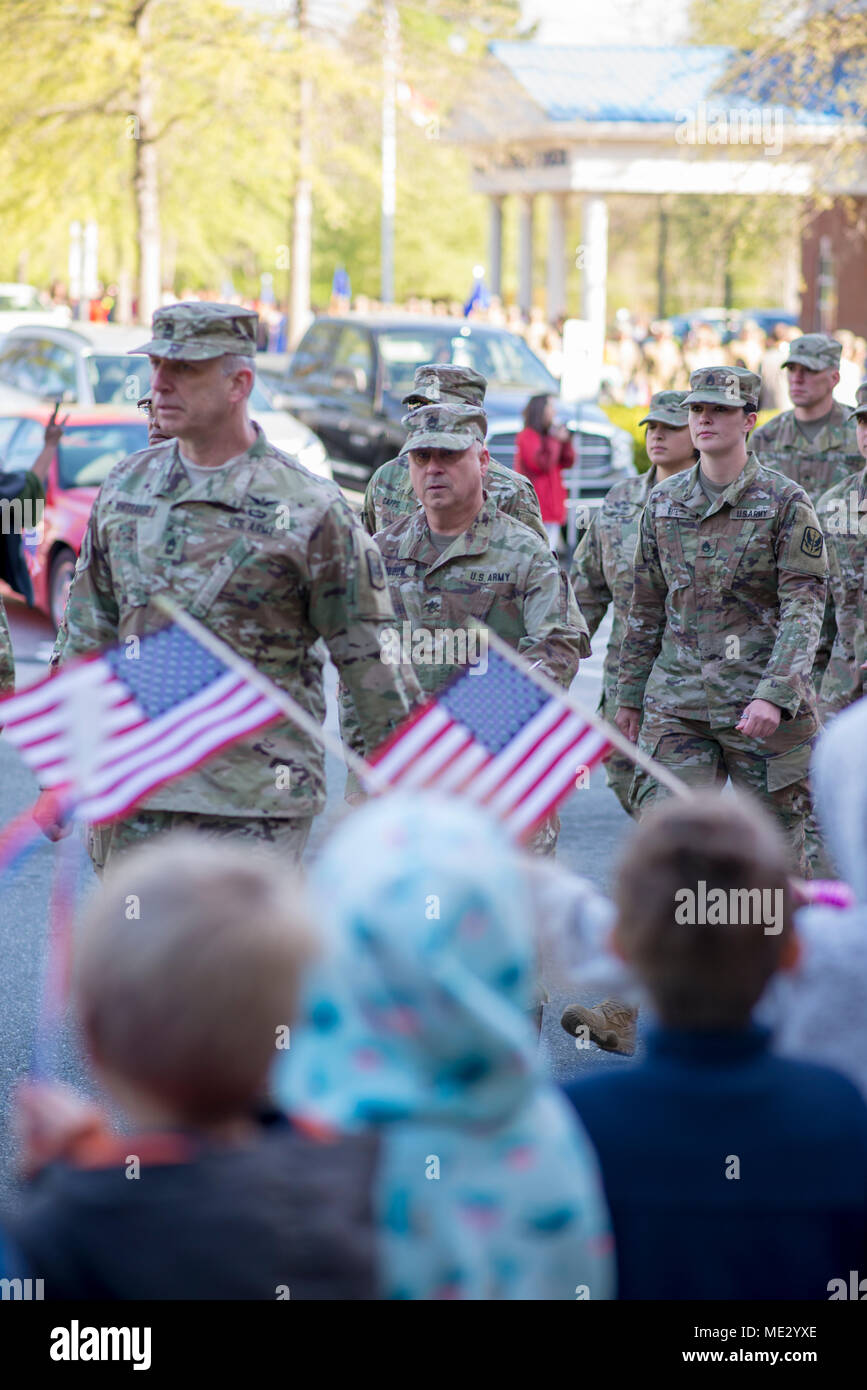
{"x": 7, "y": 664}
{"x": 727, "y": 608}
{"x": 842, "y": 513}
{"x": 270, "y": 558}
{"x": 389, "y": 493}
{"x": 820, "y": 463}
{"x": 497, "y": 572}
{"x": 602, "y": 569}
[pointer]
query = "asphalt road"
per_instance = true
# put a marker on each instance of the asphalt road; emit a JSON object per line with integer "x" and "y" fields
{"x": 593, "y": 827}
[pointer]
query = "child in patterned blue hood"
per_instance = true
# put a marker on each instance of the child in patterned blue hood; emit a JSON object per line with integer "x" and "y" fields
{"x": 414, "y": 1024}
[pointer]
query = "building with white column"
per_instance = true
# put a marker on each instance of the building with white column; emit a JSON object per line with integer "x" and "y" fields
{"x": 583, "y": 123}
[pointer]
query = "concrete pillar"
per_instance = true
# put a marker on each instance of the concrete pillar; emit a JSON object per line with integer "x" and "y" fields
{"x": 525, "y": 252}
{"x": 595, "y": 254}
{"x": 495, "y": 243}
{"x": 556, "y": 299}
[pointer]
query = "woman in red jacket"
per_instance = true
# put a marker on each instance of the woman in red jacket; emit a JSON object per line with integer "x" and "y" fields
{"x": 542, "y": 449}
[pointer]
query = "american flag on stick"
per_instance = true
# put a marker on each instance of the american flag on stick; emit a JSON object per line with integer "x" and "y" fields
{"x": 109, "y": 729}
{"x": 497, "y": 738}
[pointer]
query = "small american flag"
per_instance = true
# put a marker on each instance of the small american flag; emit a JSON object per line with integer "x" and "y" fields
{"x": 497, "y": 738}
{"x": 109, "y": 729}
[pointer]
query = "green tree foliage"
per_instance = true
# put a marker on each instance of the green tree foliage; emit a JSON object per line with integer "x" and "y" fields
{"x": 224, "y": 93}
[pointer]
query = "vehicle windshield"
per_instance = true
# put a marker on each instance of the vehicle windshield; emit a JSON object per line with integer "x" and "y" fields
{"x": 118, "y": 380}
{"x": 124, "y": 379}
{"x": 87, "y": 453}
{"x": 503, "y": 358}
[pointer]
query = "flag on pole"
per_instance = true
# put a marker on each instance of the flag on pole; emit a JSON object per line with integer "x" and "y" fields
{"x": 109, "y": 729}
{"x": 498, "y": 738}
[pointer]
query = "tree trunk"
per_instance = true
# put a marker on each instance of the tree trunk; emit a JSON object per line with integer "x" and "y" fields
{"x": 146, "y": 177}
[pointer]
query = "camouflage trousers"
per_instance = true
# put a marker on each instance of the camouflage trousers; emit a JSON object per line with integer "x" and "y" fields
{"x": 105, "y": 843}
{"x": 773, "y": 771}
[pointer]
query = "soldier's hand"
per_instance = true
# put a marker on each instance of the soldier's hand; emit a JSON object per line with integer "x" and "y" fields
{"x": 47, "y": 814}
{"x": 627, "y": 720}
{"x": 760, "y": 719}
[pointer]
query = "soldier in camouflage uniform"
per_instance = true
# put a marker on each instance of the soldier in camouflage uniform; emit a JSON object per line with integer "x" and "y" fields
{"x": 460, "y": 555}
{"x": 269, "y": 557}
{"x": 730, "y": 580}
{"x": 602, "y": 563}
{"x": 842, "y": 513}
{"x": 813, "y": 443}
{"x": 7, "y": 663}
{"x": 389, "y": 493}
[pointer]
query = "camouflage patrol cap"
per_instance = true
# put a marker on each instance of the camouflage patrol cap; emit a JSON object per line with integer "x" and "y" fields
{"x": 668, "y": 408}
{"x": 444, "y": 427}
{"x": 860, "y": 402}
{"x": 733, "y": 386}
{"x": 445, "y": 384}
{"x": 818, "y": 351}
{"x": 194, "y": 332}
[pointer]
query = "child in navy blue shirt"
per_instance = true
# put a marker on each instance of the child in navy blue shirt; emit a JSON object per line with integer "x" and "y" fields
{"x": 730, "y": 1173}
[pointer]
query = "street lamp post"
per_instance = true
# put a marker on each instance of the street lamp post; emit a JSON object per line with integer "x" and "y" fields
{"x": 389, "y": 149}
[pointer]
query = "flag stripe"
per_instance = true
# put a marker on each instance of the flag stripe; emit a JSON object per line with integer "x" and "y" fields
{"x": 57, "y": 744}
{"x": 548, "y": 717}
{"x": 444, "y": 747}
{"x": 104, "y": 779}
{"x": 50, "y": 691}
{"x": 565, "y": 736}
{"x": 533, "y": 808}
{"x": 416, "y": 738}
{"x": 463, "y": 769}
{"x": 122, "y": 798}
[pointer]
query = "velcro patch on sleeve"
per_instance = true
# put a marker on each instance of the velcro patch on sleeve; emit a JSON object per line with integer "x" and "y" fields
{"x": 805, "y": 551}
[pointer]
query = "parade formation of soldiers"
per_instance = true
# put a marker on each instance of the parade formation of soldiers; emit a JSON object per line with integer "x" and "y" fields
{"x": 729, "y": 644}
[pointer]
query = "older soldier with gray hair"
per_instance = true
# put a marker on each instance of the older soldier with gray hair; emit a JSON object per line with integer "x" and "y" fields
{"x": 460, "y": 557}
{"x": 260, "y": 551}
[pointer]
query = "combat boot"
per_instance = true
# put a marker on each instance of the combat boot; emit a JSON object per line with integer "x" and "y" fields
{"x": 611, "y": 1025}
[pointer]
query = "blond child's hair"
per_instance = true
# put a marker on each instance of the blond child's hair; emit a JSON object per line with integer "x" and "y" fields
{"x": 187, "y": 971}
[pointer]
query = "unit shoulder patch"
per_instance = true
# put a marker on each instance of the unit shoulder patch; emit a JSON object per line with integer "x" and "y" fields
{"x": 812, "y": 541}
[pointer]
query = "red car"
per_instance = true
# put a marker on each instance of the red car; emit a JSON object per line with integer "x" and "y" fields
{"x": 95, "y": 438}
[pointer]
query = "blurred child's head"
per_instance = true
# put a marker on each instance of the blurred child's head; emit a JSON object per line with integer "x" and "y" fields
{"x": 705, "y": 955}
{"x": 187, "y": 965}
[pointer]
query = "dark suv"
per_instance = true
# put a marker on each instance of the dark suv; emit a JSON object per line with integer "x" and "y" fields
{"x": 348, "y": 375}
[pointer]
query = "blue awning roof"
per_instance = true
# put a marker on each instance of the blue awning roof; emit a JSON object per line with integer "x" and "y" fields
{"x": 578, "y": 83}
